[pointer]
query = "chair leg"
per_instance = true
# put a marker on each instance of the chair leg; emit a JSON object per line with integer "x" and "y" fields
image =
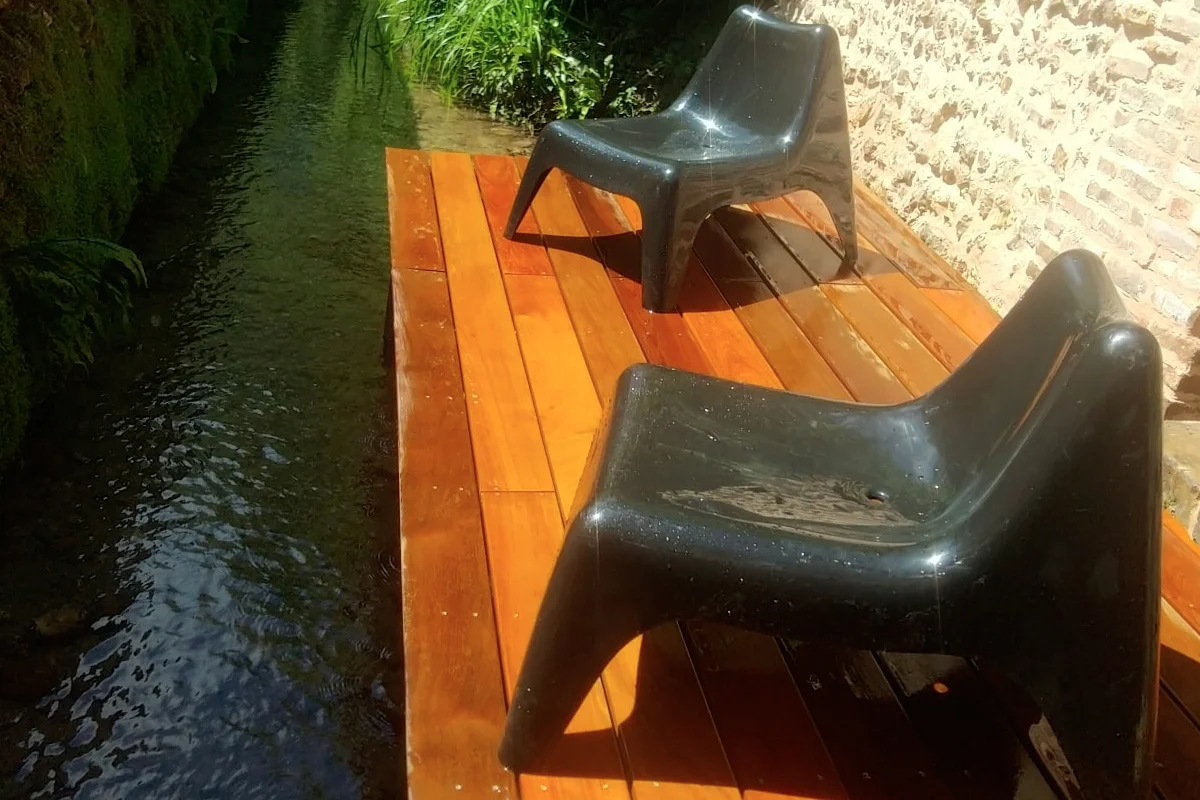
{"x": 667, "y": 238}
{"x": 1100, "y": 699}
{"x": 838, "y": 197}
{"x": 578, "y": 631}
{"x": 541, "y": 162}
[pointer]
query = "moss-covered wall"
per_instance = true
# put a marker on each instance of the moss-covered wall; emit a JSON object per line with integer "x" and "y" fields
{"x": 95, "y": 95}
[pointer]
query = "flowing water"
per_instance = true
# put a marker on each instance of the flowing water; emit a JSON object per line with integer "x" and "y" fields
{"x": 198, "y": 585}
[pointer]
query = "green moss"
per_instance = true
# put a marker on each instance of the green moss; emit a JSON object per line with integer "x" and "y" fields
{"x": 94, "y": 99}
{"x": 14, "y": 382}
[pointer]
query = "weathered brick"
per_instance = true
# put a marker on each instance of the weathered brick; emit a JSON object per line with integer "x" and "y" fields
{"x": 1107, "y": 199}
{"x": 1157, "y": 132}
{"x": 1147, "y": 156}
{"x": 1180, "y": 207}
{"x": 1126, "y": 61}
{"x": 1161, "y": 49}
{"x": 1187, "y": 177}
{"x": 1169, "y": 304}
{"x": 1173, "y": 237}
{"x": 1137, "y": 12}
{"x": 1181, "y": 24}
{"x": 1167, "y": 77}
{"x": 1142, "y": 182}
{"x": 1140, "y": 98}
{"x": 1129, "y": 277}
{"x": 1194, "y": 222}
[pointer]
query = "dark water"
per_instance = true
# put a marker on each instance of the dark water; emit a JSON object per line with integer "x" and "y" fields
{"x": 198, "y": 592}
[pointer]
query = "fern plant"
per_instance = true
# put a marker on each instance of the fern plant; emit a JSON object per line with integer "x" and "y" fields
{"x": 69, "y": 295}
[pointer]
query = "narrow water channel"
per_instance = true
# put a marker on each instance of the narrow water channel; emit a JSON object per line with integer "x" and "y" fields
{"x": 198, "y": 586}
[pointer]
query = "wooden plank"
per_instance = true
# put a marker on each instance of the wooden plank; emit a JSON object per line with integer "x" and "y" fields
{"x": 866, "y": 731}
{"x": 566, "y": 402}
{"x": 1180, "y": 662}
{"x": 664, "y": 337}
{"x": 455, "y": 701}
{"x": 412, "y": 215}
{"x": 1177, "y": 754}
{"x": 670, "y": 745}
{"x": 804, "y": 212}
{"x": 607, "y": 340}
{"x": 904, "y": 354}
{"x": 791, "y": 355}
{"x": 1181, "y": 565}
{"x": 771, "y": 740}
{"x": 903, "y": 247}
{"x": 504, "y": 434}
{"x": 723, "y": 340}
{"x": 819, "y": 258}
{"x": 524, "y": 532}
{"x": 967, "y": 309}
{"x": 498, "y": 180}
{"x": 949, "y": 704}
{"x": 857, "y": 366}
{"x": 962, "y": 305}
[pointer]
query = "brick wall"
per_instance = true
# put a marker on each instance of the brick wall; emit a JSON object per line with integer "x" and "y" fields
{"x": 1007, "y": 131}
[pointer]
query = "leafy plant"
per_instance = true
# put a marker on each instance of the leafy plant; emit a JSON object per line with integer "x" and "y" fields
{"x": 520, "y": 59}
{"x": 531, "y": 61}
{"x": 68, "y": 295}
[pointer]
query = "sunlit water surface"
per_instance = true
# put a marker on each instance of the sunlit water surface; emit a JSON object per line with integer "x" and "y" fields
{"x": 198, "y": 586}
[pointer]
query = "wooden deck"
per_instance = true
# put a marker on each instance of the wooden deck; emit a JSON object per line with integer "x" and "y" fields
{"x": 505, "y": 354}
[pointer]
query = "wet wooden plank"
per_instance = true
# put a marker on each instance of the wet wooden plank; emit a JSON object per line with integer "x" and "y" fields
{"x": 608, "y": 342}
{"x": 857, "y": 366}
{"x": 863, "y": 726}
{"x": 1177, "y": 754}
{"x": 1180, "y": 659}
{"x": 799, "y": 366}
{"x": 524, "y": 532}
{"x": 819, "y": 258}
{"x": 723, "y": 339}
{"x": 967, "y": 309}
{"x": 412, "y": 214}
{"x": 669, "y": 743}
{"x": 665, "y": 337}
{"x": 770, "y": 739}
{"x": 875, "y": 221}
{"x": 455, "y": 702}
{"x": 934, "y": 329}
{"x": 1181, "y": 566}
{"x": 566, "y": 401}
{"x": 504, "y": 434}
{"x": 950, "y": 705}
{"x": 904, "y": 354}
{"x": 498, "y": 180}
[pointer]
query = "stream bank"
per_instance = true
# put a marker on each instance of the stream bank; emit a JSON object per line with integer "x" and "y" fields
{"x": 94, "y": 100}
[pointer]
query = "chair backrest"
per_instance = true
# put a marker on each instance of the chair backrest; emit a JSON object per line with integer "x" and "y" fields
{"x": 1001, "y": 385}
{"x": 762, "y": 73}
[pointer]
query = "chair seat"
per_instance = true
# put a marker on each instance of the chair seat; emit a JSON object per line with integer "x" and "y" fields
{"x": 676, "y": 138}
{"x": 711, "y": 452}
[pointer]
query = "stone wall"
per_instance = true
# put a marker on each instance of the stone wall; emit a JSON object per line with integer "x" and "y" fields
{"x": 1007, "y": 131}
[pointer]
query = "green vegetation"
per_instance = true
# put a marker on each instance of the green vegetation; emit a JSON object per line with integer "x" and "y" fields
{"x": 68, "y": 295}
{"x": 531, "y": 61}
{"x": 94, "y": 98}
